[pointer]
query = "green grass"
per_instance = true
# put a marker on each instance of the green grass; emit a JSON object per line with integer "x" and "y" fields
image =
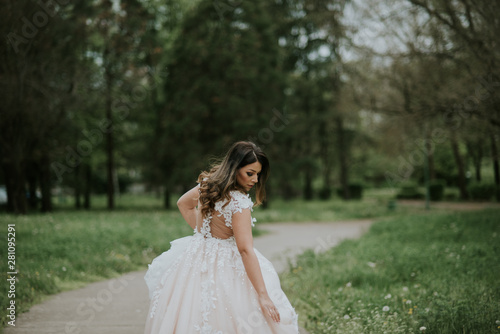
{"x": 66, "y": 250}
{"x": 436, "y": 271}
{"x": 333, "y": 210}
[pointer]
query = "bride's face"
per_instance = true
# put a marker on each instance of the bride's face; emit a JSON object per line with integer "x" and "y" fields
{"x": 248, "y": 175}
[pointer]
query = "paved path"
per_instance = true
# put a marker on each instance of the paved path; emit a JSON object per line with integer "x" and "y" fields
{"x": 120, "y": 306}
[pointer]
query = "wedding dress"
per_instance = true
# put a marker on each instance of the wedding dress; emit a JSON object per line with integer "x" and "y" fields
{"x": 200, "y": 284}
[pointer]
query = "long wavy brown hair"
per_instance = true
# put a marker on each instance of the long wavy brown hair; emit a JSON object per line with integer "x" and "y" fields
{"x": 216, "y": 183}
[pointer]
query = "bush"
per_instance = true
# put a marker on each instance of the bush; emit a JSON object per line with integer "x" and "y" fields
{"x": 409, "y": 191}
{"x": 436, "y": 190}
{"x": 325, "y": 193}
{"x": 479, "y": 191}
{"x": 355, "y": 191}
{"x": 450, "y": 197}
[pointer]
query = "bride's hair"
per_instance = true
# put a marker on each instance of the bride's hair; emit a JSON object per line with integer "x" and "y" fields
{"x": 221, "y": 179}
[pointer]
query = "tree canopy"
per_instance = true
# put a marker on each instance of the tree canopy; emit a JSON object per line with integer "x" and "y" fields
{"x": 340, "y": 94}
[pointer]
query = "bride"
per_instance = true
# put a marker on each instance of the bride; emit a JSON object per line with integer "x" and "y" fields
{"x": 214, "y": 281}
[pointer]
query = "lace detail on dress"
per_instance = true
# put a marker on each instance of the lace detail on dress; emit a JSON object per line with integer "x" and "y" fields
{"x": 205, "y": 228}
{"x": 238, "y": 202}
{"x": 207, "y": 304}
{"x": 157, "y": 293}
{"x": 220, "y": 251}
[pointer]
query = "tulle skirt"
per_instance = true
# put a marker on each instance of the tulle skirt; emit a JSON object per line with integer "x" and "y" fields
{"x": 200, "y": 286}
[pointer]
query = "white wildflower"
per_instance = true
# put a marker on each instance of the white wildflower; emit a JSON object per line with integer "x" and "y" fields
{"x": 408, "y": 301}
{"x": 385, "y": 308}
{"x": 423, "y": 328}
{"x": 405, "y": 288}
{"x": 63, "y": 268}
{"x": 348, "y": 285}
{"x": 389, "y": 296}
{"x": 372, "y": 264}
{"x": 347, "y": 317}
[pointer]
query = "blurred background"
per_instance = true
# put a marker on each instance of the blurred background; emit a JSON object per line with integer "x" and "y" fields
{"x": 106, "y": 98}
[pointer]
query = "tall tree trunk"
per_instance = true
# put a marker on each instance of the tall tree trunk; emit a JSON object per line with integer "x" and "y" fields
{"x": 430, "y": 157}
{"x": 88, "y": 186}
{"x": 15, "y": 185}
{"x": 45, "y": 184}
{"x": 32, "y": 178}
{"x": 166, "y": 198}
{"x": 308, "y": 189}
{"x": 325, "y": 156}
{"x": 477, "y": 165}
{"x": 476, "y": 154}
{"x": 78, "y": 202}
{"x": 109, "y": 141}
{"x": 462, "y": 183}
{"x": 496, "y": 169}
{"x": 342, "y": 151}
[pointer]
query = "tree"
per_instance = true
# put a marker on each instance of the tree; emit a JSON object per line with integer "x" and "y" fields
{"x": 310, "y": 33}
{"x": 223, "y": 82}
{"x": 118, "y": 32}
{"x": 37, "y": 80}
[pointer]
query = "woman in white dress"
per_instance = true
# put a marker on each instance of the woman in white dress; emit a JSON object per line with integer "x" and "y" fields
{"x": 215, "y": 282}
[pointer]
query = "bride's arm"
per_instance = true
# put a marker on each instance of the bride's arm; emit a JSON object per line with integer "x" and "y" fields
{"x": 242, "y": 228}
{"x": 187, "y": 206}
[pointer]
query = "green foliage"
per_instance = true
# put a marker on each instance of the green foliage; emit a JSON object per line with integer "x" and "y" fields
{"x": 325, "y": 193}
{"x": 99, "y": 182}
{"x": 355, "y": 191}
{"x": 436, "y": 190}
{"x": 482, "y": 191}
{"x": 409, "y": 191}
{"x": 437, "y": 271}
{"x": 224, "y": 80}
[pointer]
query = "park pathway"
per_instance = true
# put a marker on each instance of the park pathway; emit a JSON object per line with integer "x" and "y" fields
{"x": 120, "y": 306}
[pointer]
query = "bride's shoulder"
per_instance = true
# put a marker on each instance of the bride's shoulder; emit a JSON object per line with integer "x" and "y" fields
{"x": 241, "y": 200}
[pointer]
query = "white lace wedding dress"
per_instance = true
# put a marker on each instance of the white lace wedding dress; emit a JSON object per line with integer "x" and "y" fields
{"x": 200, "y": 284}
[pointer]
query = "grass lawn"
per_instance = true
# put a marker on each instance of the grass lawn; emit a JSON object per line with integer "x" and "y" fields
{"x": 66, "y": 250}
{"x": 422, "y": 274}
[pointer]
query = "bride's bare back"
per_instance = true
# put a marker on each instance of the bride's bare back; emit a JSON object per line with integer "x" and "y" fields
{"x": 218, "y": 226}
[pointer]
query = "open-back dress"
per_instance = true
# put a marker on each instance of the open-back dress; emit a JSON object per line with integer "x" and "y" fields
{"x": 200, "y": 284}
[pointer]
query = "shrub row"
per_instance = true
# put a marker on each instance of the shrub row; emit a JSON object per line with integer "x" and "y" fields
{"x": 477, "y": 191}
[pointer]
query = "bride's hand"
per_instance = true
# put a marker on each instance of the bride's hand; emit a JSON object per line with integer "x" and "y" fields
{"x": 268, "y": 308}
